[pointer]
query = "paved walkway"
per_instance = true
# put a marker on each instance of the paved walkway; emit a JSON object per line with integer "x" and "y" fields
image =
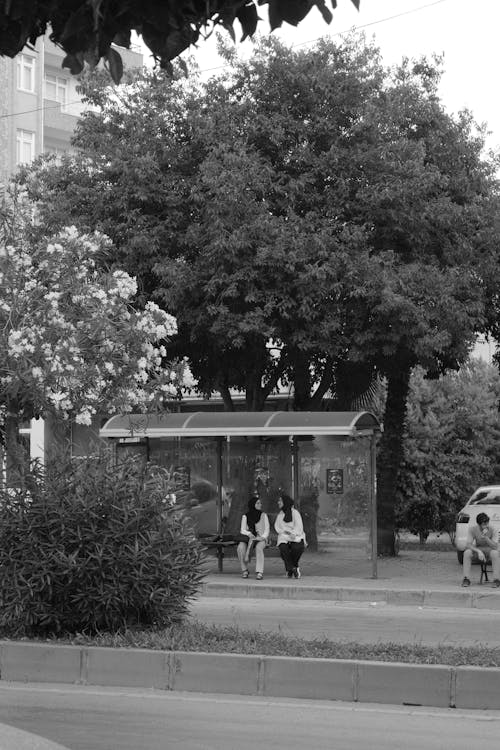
{"x": 349, "y": 566}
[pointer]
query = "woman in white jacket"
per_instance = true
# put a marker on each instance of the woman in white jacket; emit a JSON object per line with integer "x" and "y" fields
{"x": 291, "y": 537}
{"x": 254, "y": 526}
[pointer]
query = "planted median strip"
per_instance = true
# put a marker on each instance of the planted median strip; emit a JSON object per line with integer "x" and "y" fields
{"x": 198, "y": 637}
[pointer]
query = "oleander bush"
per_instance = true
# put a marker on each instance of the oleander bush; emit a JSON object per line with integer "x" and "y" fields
{"x": 92, "y": 546}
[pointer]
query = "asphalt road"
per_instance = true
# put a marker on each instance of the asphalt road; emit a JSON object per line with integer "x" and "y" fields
{"x": 84, "y": 718}
{"x": 364, "y": 622}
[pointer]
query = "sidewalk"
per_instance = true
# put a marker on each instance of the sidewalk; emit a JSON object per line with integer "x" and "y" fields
{"x": 349, "y": 557}
{"x": 339, "y": 572}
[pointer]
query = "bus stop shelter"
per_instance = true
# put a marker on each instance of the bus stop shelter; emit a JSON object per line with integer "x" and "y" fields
{"x": 216, "y": 460}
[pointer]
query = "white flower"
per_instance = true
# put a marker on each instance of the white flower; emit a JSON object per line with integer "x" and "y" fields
{"x": 51, "y": 296}
{"x": 188, "y": 380}
{"x": 56, "y": 397}
{"x": 169, "y": 389}
{"x": 125, "y": 285}
{"x": 54, "y": 248}
{"x": 84, "y": 417}
{"x": 71, "y": 233}
{"x": 27, "y": 347}
{"x": 160, "y": 332}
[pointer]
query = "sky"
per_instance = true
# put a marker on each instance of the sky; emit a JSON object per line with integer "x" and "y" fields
{"x": 465, "y": 31}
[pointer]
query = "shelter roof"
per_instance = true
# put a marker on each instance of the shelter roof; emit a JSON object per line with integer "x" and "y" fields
{"x": 246, "y": 423}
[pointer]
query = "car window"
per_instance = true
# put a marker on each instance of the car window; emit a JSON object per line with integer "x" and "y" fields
{"x": 486, "y": 498}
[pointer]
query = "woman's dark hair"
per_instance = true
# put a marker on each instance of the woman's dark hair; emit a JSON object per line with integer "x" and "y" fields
{"x": 482, "y": 518}
{"x": 253, "y": 515}
{"x": 287, "y": 507}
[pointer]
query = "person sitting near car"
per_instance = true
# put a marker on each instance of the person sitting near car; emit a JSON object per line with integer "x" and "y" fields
{"x": 255, "y": 530}
{"x": 481, "y": 543}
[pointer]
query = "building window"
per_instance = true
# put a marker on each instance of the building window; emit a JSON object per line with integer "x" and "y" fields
{"x": 56, "y": 89}
{"x": 25, "y": 144}
{"x": 26, "y": 73}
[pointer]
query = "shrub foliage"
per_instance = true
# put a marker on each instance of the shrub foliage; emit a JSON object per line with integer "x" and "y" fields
{"x": 451, "y": 447}
{"x": 94, "y": 546}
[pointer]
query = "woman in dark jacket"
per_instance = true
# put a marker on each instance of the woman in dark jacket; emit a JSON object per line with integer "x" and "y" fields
{"x": 291, "y": 537}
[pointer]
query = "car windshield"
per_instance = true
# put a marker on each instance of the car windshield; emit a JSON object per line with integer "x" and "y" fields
{"x": 486, "y": 497}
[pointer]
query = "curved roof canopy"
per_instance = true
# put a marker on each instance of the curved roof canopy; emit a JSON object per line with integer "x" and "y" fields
{"x": 246, "y": 423}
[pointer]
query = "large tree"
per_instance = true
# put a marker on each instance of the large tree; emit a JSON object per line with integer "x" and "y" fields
{"x": 311, "y": 217}
{"x": 85, "y": 29}
{"x": 238, "y": 217}
{"x": 432, "y": 207}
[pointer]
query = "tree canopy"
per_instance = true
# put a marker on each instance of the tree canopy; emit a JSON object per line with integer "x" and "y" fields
{"x": 451, "y": 445}
{"x": 86, "y": 29}
{"x": 301, "y": 199}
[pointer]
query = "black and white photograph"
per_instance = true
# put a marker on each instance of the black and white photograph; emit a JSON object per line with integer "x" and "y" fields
{"x": 249, "y": 375}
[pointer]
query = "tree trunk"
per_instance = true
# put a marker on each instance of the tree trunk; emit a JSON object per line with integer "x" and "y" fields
{"x": 301, "y": 381}
{"x": 226, "y": 398}
{"x": 14, "y": 452}
{"x": 325, "y": 384}
{"x": 390, "y": 457}
{"x": 254, "y": 396}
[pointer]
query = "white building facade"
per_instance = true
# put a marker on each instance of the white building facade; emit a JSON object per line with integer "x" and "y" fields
{"x": 39, "y": 103}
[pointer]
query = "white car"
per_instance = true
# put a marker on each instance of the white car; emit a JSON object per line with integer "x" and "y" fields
{"x": 484, "y": 500}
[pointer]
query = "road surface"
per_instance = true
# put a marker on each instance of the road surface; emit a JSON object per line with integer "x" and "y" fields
{"x": 85, "y": 718}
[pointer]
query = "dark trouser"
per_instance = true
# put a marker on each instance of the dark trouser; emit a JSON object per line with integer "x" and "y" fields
{"x": 291, "y": 552}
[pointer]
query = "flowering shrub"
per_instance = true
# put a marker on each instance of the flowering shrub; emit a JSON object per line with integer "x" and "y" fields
{"x": 70, "y": 341}
{"x": 94, "y": 546}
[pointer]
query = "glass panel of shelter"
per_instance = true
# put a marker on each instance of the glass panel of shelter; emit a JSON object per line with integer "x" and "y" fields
{"x": 255, "y": 465}
{"x": 334, "y": 488}
{"x": 191, "y": 464}
{"x": 247, "y": 465}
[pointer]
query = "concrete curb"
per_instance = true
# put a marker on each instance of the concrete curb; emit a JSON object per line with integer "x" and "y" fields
{"x": 489, "y": 600}
{"x": 273, "y": 676}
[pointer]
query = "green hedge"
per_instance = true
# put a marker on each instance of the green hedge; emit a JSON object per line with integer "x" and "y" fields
{"x": 94, "y": 546}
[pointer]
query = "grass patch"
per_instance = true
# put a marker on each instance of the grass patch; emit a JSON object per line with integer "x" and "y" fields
{"x": 196, "y": 636}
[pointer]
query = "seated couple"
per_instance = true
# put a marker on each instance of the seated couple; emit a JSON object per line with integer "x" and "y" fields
{"x": 255, "y": 526}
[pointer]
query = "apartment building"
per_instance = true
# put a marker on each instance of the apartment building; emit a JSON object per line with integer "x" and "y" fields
{"x": 39, "y": 103}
